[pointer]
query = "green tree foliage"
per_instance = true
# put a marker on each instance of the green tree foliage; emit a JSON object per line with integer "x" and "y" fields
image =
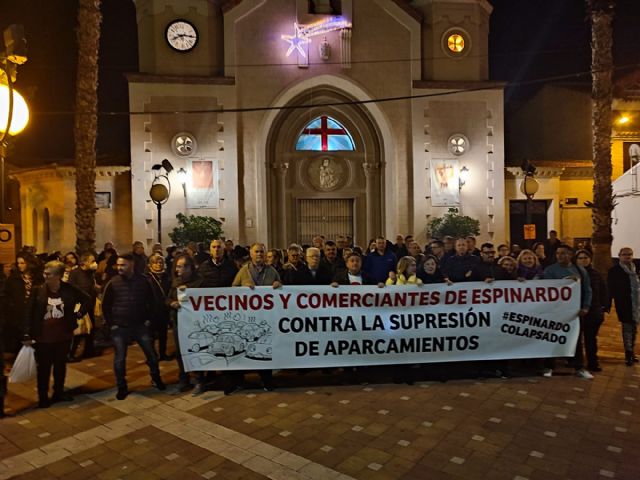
{"x": 192, "y": 228}
{"x": 453, "y": 224}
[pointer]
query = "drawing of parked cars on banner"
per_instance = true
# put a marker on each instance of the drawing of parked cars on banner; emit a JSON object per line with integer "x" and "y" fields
{"x": 232, "y": 337}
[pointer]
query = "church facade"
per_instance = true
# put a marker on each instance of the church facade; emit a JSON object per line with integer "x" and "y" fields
{"x": 292, "y": 118}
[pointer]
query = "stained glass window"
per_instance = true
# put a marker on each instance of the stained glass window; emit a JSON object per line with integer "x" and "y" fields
{"x": 325, "y": 134}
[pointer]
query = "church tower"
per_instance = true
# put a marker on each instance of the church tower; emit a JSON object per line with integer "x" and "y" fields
{"x": 180, "y": 37}
{"x": 455, "y": 36}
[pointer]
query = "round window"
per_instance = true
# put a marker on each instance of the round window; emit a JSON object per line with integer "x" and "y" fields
{"x": 458, "y": 144}
{"x": 456, "y": 42}
{"x": 184, "y": 144}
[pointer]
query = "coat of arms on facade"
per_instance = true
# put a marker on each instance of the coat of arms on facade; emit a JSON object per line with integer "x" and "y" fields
{"x": 326, "y": 174}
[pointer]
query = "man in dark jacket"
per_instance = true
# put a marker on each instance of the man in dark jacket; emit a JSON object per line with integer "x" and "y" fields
{"x": 219, "y": 270}
{"x": 295, "y": 272}
{"x": 50, "y": 320}
{"x": 331, "y": 259}
{"x": 354, "y": 274}
{"x": 83, "y": 278}
{"x": 459, "y": 267}
{"x": 320, "y": 274}
{"x": 380, "y": 262}
{"x": 624, "y": 288}
{"x": 487, "y": 270}
{"x": 127, "y": 307}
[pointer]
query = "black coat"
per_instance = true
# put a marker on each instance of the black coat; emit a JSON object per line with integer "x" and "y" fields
{"x": 16, "y": 300}
{"x": 194, "y": 282}
{"x": 620, "y": 289}
{"x": 599, "y": 292}
{"x": 484, "y": 270}
{"x": 459, "y": 268}
{"x": 220, "y": 275}
{"x": 342, "y": 278}
{"x": 37, "y": 308}
{"x": 302, "y": 275}
{"x": 128, "y": 302}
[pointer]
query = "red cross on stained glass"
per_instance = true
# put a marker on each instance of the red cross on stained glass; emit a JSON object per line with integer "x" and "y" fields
{"x": 324, "y": 131}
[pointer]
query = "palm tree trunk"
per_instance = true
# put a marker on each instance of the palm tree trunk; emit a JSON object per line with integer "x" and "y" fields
{"x": 601, "y": 13}
{"x": 86, "y": 122}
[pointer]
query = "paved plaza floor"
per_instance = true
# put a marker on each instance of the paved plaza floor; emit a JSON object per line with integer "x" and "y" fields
{"x": 314, "y": 426}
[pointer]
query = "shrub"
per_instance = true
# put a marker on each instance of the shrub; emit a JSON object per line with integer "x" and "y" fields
{"x": 453, "y": 224}
{"x": 194, "y": 228}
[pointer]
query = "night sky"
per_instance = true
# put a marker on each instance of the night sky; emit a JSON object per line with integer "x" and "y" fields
{"x": 530, "y": 39}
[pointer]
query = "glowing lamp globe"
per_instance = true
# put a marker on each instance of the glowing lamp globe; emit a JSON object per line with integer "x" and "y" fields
{"x": 20, "y": 117}
{"x": 159, "y": 193}
{"x": 529, "y": 186}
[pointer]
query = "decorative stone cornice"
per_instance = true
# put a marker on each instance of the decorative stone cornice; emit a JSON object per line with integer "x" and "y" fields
{"x": 541, "y": 172}
{"x": 54, "y": 171}
{"x": 177, "y": 79}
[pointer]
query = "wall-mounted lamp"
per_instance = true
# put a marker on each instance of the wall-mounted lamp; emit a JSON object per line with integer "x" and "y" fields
{"x": 182, "y": 178}
{"x": 463, "y": 177}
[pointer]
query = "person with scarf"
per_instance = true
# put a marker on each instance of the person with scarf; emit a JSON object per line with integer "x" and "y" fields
{"x": 624, "y": 286}
{"x": 160, "y": 284}
{"x": 24, "y": 278}
{"x": 529, "y": 267}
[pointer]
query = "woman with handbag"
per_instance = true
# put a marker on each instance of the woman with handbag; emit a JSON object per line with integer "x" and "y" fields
{"x": 50, "y": 319}
{"x": 23, "y": 279}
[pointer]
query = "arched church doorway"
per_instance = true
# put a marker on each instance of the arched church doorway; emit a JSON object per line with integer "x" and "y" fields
{"x": 325, "y": 171}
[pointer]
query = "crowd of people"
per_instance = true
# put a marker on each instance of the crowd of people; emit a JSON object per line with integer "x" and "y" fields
{"x": 134, "y": 297}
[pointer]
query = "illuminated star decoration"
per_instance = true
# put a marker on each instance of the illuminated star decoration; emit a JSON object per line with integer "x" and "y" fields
{"x": 296, "y": 41}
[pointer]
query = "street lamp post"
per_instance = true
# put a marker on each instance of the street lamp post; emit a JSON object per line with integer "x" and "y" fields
{"x": 14, "y": 116}
{"x": 161, "y": 190}
{"x": 529, "y": 187}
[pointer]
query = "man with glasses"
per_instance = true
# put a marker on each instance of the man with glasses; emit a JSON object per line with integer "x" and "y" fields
{"x": 488, "y": 270}
{"x": 128, "y": 307}
{"x": 295, "y": 272}
{"x": 624, "y": 287}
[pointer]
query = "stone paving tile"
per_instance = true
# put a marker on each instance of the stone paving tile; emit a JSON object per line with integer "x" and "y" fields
{"x": 578, "y": 429}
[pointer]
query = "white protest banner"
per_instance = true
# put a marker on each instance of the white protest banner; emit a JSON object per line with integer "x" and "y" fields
{"x": 317, "y": 326}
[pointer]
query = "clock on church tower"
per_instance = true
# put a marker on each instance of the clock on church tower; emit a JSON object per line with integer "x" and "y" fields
{"x": 180, "y": 37}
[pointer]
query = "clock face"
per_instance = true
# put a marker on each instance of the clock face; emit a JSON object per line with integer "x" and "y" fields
{"x": 181, "y": 35}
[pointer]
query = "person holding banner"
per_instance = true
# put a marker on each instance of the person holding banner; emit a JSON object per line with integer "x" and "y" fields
{"x": 406, "y": 273}
{"x": 487, "y": 270}
{"x": 430, "y": 272}
{"x": 379, "y": 262}
{"x": 217, "y": 272}
{"x": 354, "y": 275}
{"x": 320, "y": 273}
{"x": 624, "y": 286}
{"x": 459, "y": 267}
{"x": 563, "y": 268}
{"x": 256, "y": 273}
{"x": 184, "y": 276}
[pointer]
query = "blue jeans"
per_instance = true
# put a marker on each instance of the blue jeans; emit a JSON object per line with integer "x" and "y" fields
{"x": 121, "y": 337}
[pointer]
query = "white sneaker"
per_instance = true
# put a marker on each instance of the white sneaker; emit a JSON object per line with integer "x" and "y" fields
{"x": 582, "y": 373}
{"x": 547, "y": 373}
